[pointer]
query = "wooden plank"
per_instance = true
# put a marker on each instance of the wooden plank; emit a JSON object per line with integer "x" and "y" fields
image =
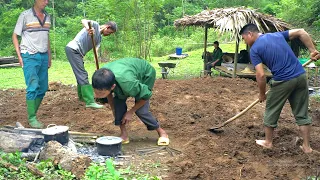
{"x": 9, "y": 65}
{"x": 8, "y": 57}
{"x": 8, "y": 60}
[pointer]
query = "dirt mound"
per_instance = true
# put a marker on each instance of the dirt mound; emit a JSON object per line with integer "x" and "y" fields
{"x": 186, "y": 109}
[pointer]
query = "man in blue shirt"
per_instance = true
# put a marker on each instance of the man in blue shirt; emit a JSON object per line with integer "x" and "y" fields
{"x": 289, "y": 80}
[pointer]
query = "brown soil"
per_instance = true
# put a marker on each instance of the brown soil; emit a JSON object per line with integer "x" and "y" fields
{"x": 186, "y": 109}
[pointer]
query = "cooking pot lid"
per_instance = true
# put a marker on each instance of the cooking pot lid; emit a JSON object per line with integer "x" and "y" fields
{"x": 55, "y": 130}
{"x": 109, "y": 140}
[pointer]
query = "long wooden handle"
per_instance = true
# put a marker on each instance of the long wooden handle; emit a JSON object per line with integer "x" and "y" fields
{"x": 254, "y": 103}
{"x": 94, "y": 47}
{"x": 241, "y": 113}
{"x": 40, "y": 131}
{"x": 308, "y": 62}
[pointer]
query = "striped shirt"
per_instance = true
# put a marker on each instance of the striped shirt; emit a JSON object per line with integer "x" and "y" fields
{"x": 34, "y": 33}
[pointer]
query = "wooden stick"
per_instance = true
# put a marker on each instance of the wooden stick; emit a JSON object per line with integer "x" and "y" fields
{"x": 34, "y": 170}
{"x": 88, "y": 141}
{"x": 78, "y": 137}
{"x": 83, "y": 137}
{"x": 8, "y": 165}
{"x": 40, "y": 131}
{"x": 94, "y": 47}
{"x": 83, "y": 134}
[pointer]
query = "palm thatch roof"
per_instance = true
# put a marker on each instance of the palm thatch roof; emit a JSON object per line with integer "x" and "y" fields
{"x": 233, "y": 19}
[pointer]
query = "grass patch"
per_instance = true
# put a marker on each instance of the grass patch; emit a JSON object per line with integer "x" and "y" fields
{"x": 192, "y": 65}
{"x": 95, "y": 171}
{"x": 62, "y": 71}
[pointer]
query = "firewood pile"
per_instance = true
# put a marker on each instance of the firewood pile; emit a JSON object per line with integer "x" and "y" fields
{"x": 9, "y": 61}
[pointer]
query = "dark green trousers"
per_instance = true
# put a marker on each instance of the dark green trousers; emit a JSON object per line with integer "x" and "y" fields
{"x": 294, "y": 90}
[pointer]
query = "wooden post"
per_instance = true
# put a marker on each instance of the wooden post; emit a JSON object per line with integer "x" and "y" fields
{"x": 205, "y": 47}
{"x": 236, "y": 59}
{"x": 54, "y": 32}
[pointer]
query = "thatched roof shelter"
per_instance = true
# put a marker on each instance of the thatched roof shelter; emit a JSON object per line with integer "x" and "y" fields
{"x": 232, "y": 20}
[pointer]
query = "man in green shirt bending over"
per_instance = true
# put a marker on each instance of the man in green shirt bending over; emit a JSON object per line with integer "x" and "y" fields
{"x": 128, "y": 77}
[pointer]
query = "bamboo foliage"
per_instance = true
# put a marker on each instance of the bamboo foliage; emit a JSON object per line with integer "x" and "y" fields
{"x": 232, "y": 20}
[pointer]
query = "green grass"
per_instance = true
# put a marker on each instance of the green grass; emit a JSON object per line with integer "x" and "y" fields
{"x": 192, "y": 65}
{"x": 61, "y": 70}
{"x": 108, "y": 170}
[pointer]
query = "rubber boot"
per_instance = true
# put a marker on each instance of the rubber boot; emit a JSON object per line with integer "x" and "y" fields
{"x": 32, "y": 119}
{"x": 38, "y": 103}
{"x": 79, "y": 93}
{"x": 88, "y": 97}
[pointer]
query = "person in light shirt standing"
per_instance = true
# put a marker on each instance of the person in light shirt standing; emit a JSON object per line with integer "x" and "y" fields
{"x": 34, "y": 55}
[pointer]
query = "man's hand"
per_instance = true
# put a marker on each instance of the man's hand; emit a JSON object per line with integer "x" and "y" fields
{"x": 90, "y": 31}
{"x": 262, "y": 97}
{"x": 214, "y": 63}
{"x": 49, "y": 63}
{"x": 127, "y": 117}
{"x": 85, "y": 25}
{"x": 315, "y": 55}
{"x": 20, "y": 61}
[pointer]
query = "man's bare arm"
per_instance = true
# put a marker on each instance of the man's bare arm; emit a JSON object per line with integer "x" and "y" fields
{"x": 304, "y": 37}
{"x": 15, "y": 42}
{"x": 261, "y": 79}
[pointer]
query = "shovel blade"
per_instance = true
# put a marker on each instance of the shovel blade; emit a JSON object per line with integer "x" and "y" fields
{"x": 216, "y": 130}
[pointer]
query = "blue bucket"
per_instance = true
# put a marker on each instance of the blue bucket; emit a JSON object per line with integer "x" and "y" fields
{"x": 178, "y": 51}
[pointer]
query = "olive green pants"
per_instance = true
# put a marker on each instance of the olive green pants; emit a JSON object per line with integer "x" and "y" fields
{"x": 296, "y": 91}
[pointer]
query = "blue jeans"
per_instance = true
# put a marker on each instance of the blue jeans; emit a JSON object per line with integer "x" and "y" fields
{"x": 35, "y": 70}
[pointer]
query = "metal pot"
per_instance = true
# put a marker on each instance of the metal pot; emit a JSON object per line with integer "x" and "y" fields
{"x": 109, "y": 145}
{"x": 56, "y": 133}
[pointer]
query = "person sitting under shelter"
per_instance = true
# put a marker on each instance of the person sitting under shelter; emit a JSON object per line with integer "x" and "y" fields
{"x": 215, "y": 59}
